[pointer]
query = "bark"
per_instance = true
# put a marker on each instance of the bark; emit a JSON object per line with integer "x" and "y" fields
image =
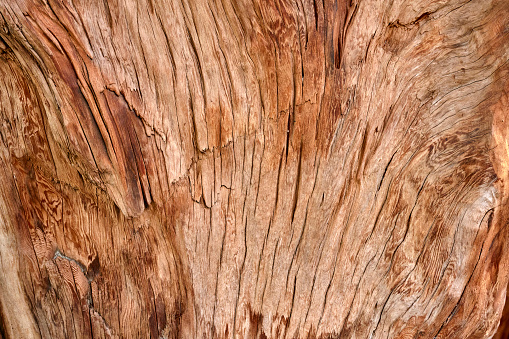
{"x": 253, "y": 169}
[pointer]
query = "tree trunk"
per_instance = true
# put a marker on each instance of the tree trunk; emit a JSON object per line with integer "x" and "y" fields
{"x": 253, "y": 169}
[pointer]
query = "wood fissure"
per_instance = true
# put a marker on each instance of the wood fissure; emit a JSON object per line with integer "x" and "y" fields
{"x": 254, "y": 169}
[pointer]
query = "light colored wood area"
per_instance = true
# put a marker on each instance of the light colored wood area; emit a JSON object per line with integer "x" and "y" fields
{"x": 253, "y": 169}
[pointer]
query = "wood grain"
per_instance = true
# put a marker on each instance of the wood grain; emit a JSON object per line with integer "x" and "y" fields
{"x": 253, "y": 169}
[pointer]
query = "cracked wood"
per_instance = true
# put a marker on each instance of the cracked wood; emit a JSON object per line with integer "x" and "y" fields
{"x": 253, "y": 169}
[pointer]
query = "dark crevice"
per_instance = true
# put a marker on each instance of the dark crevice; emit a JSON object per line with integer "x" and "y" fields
{"x": 3, "y": 333}
{"x": 297, "y": 185}
{"x": 385, "y": 171}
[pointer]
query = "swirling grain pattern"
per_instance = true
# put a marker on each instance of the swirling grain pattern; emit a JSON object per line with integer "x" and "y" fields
{"x": 253, "y": 169}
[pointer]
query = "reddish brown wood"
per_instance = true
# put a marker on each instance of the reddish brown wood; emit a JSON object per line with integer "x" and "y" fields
{"x": 240, "y": 169}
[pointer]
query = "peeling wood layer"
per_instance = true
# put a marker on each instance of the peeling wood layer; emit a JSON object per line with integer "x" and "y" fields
{"x": 253, "y": 169}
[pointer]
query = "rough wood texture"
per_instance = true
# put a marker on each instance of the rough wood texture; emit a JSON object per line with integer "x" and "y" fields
{"x": 268, "y": 169}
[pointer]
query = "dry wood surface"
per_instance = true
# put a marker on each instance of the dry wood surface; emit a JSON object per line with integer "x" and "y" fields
{"x": 254, "y": 168}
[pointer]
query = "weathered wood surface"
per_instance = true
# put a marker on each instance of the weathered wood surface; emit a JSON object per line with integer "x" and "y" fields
{"x": 279, "y": 169}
